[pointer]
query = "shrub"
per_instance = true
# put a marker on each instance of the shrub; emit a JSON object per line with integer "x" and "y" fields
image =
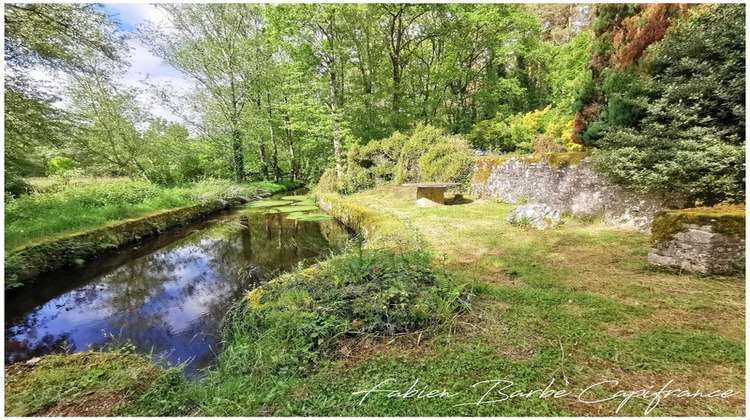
{"x": 327, "y": 182}
{"x": 298, "y": 317}
{"x": 519, "y": 133}
{"x": 355, "y": 178}
{"x": 422, "y": 139}
{"x": 447, "y": 162}
{"x": 15, "y": 186}
{"x": 687, "y": 133}
{"x": 59, "y": 165}
{"x": 427, "y": 154}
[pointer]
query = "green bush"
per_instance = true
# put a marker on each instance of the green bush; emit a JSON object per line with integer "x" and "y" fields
{"x": 421, "y": 140}
{"x": 327, "y": 182}
{"x": 680, "y": 125}
{"x": 356, "y": 178}
{"x": 298, "y": 317}
{"x": 427, "y": 154}
{"x": 59, "y": 165}
{"x": 15, "y": 186}
{"x": 447, "y": 162}
{"x": 518, "y": 133}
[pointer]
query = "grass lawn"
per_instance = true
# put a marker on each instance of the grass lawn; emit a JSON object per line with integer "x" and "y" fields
{"x": 577, "y": 305}
{"x": 84, "y": 204}
{"x": 564, "y": 310}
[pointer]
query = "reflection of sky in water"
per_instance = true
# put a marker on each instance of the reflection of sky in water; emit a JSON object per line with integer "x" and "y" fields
{"x": 170, "y": 301}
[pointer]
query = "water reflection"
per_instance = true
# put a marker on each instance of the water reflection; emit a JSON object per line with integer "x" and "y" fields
{"x": 169, "y": 299}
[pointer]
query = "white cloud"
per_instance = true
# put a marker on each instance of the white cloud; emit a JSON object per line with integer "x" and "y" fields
{"x": 146, "y": 69}
{"x": 137, "y": 13}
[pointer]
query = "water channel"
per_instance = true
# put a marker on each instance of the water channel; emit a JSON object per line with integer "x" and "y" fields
{"x": 165, "y": 295}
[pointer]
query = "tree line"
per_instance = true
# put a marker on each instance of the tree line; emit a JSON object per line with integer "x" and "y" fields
{"x": 281, "y": 90}
{"x": 288, "y": 90}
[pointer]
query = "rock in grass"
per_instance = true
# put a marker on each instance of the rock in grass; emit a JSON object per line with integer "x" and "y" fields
{"x": 537, "y": 215}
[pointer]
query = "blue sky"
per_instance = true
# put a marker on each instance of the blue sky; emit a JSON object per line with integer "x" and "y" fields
{"x": 143, "y": 64}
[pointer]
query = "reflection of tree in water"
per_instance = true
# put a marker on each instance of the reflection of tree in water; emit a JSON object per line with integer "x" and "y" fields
{"x": 170, "y": 298}
{"x": 17, "y": 350}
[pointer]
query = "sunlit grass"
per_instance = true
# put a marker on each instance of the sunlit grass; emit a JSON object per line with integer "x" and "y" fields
{"x": 576, "y": 304}
{"x": 90, "y": 203}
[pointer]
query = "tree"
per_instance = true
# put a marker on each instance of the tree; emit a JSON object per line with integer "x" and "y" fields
{"x": 689, "y": 137}
{"x": 53, "y": 38}
{"x": 317, "y": 37}
{"x": 217, "y": 45}
{"x": 107, "y": 115}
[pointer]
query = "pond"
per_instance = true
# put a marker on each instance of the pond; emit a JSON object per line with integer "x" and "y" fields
{"x": 167, "y": 295}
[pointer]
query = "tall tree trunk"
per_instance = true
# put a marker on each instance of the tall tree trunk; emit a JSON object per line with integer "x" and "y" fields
{"x": 289, "y": 136}
{"x": 294, "y": 169}
{"x": 142, "y": 171}
{"x": 396, "y": 98}
{"x": 263, "y": 159}
{"x": 335, "y": 128}
{"x": 237, "y": 158}
{"x": 274, "y": 157}
{"x": 275, "y": 149}
{"x": 334, "y": 92}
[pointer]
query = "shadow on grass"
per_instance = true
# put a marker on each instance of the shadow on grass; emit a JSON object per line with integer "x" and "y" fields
{"x": 457, "y": 200}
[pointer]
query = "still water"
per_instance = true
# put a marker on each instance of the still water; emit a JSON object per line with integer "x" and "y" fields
{"x": 166, "y": 295}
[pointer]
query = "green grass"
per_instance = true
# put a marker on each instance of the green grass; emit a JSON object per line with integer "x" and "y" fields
{"x": 87, "y": 205}
{"x": 576, "y": 304}
{"x": 73, "y": 383}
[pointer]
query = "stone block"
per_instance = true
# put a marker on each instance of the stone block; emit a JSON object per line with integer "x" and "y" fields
{"x": 700, "y": 240}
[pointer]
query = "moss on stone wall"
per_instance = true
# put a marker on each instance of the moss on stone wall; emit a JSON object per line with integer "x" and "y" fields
{"x": 485, "y": 164}
{"x": 727, "y": 220}
{"x": 559, "y": 160}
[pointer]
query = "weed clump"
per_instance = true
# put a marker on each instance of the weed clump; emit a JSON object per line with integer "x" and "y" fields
{"x": 300, "y": 315}
{"x": 387, "y": 283}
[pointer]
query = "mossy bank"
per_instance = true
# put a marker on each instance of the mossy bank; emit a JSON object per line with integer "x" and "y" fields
{"x": 43, "y": 254}
{"x": 83, "y": 384}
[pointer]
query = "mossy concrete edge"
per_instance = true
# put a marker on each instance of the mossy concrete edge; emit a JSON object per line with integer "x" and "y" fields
{"x": 24, "y": 264}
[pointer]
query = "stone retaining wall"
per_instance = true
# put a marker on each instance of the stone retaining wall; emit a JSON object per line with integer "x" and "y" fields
{"x": 702, "y": 240}
{"x": 569, "y": 185}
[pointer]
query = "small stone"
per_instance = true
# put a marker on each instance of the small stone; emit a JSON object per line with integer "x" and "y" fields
{"x": 537, "y": 215}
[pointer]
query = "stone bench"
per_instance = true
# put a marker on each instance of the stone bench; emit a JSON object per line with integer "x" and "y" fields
{"x": 431, "y": 193}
